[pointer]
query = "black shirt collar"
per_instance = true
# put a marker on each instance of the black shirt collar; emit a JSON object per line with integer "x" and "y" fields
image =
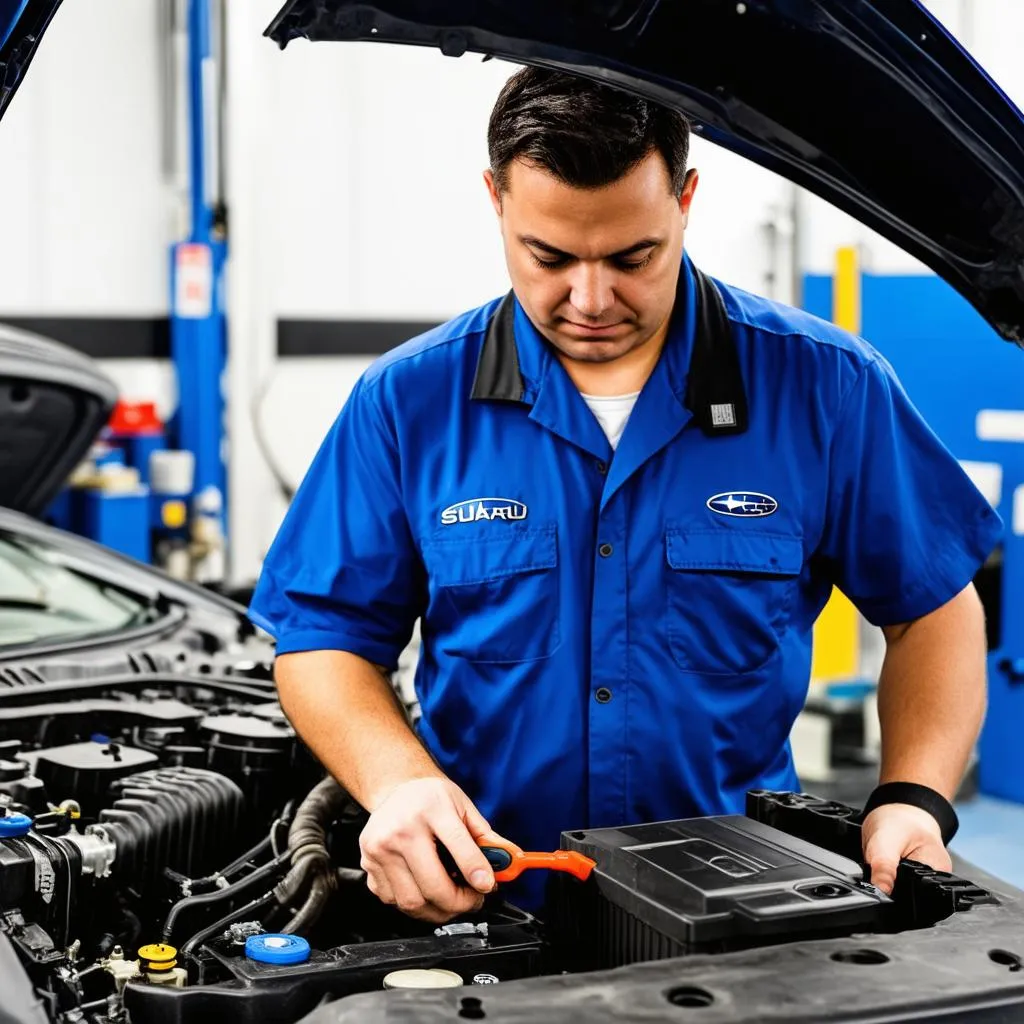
{"x": 715, "y": 393}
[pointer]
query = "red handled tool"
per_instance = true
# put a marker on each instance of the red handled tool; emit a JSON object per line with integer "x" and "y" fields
{"x": 508, "y": 861}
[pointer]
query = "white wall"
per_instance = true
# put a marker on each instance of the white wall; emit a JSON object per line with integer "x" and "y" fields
{"x": 84, "y": 210}
{"x": 86, "y": 214}
{"x": 354, "y": 189}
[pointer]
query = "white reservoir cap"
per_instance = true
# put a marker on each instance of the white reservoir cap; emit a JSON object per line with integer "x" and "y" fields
{"x": 433, "y": 977}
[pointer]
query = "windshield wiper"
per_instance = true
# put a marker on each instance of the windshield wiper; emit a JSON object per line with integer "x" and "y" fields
{"x": 152, "y": 610}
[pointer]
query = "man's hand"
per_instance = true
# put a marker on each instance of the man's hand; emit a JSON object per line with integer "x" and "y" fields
{"x": 895, "y": 832}
{"x": 400, "y": 858}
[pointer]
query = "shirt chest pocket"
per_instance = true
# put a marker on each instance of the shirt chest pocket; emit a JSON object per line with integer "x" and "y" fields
{"x": 495, "y": 598}
{"x": 729, "y": 593}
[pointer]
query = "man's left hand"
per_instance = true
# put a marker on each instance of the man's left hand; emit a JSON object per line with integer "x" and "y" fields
{"x": 895, "y": 832}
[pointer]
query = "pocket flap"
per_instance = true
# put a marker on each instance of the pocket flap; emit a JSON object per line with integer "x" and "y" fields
{"x": 463, "y": 561}
{"x": 724, "y": 550}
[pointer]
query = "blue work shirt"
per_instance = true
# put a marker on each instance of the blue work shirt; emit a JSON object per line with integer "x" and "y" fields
{"x": 619, "y": 638}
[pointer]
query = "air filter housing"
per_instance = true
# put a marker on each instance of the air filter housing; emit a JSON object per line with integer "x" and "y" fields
{"x": 703, "y": 885}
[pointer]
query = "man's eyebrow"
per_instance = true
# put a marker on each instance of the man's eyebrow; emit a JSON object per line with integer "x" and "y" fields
{"x": 538, "y": 243}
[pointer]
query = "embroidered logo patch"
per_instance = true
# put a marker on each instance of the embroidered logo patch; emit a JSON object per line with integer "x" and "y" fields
{"x": 742, "y": 503}
{"x": 475, "y": 509}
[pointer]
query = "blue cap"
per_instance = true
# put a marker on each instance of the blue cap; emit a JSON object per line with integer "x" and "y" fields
{"x": 14, "y": 825}
{"x": 277, "y": 949}
{"x": 98, "y": 737}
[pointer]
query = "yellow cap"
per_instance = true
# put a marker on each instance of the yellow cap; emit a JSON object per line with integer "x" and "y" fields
{"x": 158, "y": 957}
{"x": 174, "y": 514}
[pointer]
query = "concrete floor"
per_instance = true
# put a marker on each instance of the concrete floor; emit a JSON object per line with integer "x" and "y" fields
{"x": 992, "y": 837}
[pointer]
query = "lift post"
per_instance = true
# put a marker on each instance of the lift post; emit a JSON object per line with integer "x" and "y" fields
{"x": 198, "y": 324}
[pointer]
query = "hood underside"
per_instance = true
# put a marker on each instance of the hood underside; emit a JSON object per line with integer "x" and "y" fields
{"x": 870, "y": 104}
{"x": 22, "y": 24}
{"x": 53, "y": 403}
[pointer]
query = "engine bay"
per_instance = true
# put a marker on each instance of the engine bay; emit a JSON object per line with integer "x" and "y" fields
{"x": 170, "y": 852}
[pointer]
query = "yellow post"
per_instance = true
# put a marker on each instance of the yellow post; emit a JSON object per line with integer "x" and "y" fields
{"x": 837, "y": 631}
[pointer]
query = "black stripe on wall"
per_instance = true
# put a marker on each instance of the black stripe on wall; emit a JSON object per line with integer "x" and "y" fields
{"x": 345, "y": 337}
{"x": 111, "y": 337}
{"x": 103, "y": 337}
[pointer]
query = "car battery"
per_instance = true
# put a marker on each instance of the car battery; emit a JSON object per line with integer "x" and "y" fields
{"x": 704, "y": 885}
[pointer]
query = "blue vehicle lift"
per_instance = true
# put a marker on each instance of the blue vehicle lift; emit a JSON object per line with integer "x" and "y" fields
{"x": 198, "y": 320}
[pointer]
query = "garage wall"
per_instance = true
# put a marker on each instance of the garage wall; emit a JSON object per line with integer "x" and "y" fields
{"x": 82, "y": 200}
{"x": 86, "y": 210}
{"x": 354, "y": 184}
{"x": 371, "y": 206}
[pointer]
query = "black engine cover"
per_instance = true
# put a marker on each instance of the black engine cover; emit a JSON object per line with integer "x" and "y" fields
{"x": 704, "y": 885}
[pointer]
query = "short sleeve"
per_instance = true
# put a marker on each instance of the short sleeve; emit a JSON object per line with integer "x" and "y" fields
{"x": 343, "y": 572}
{"x": 906, "y": 529}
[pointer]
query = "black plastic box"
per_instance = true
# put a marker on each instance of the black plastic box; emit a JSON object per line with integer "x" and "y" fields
{"x": 703, "y": 885}
{"x": 84, "y": 771}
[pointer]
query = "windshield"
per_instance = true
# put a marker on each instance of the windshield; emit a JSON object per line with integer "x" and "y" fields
{"x": 44, "y": 600}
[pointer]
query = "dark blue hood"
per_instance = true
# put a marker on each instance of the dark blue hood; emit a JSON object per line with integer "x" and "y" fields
{"x": 22, "y": 23}
{"x": 869, "y": 103}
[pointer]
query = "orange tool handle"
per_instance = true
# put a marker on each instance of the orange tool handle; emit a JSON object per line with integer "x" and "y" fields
{"x": 508, "y": 861}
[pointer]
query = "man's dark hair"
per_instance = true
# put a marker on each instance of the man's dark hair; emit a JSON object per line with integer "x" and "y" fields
{"x": 584, "y": 133}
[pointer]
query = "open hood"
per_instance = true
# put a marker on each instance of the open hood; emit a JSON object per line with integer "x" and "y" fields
{"x": 53, "y": 403}
{"x": 22, "y": 24}
{"x": 871, "y": 104}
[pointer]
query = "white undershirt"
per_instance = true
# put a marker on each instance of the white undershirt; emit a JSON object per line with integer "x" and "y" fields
{"x": 612, "y": 412}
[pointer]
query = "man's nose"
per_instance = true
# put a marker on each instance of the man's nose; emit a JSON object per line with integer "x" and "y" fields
{"x": 591, "y": 291}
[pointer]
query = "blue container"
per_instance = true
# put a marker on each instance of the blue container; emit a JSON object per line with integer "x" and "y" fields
{"x": 120, "y": 521}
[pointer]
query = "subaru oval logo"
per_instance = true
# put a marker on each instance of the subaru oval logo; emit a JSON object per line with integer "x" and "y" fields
{"x": 742, "y": 503}
{"x": 475, "y": 509}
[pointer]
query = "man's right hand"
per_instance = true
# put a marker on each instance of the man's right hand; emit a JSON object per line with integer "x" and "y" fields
{"x": 399, "y": 852}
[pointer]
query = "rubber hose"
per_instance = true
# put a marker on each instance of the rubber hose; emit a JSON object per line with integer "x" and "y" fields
{"x": 228, "y": 919}
{"x": 320, "y": 892}
{"x": 262, "y": 847}
{"x": 209, "y": 899}
{"x": 296, "y": 880}
{"x": 307, "y": 836}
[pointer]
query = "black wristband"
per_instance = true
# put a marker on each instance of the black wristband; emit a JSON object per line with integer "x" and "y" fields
{"x": 917, "y": 796}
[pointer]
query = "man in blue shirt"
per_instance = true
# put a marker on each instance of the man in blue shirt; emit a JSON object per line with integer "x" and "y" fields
{"x": 617, "y": 499}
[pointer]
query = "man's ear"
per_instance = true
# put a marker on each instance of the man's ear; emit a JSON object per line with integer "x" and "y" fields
{"x": 492, "y": 191}
{"x": 686, "y": 196}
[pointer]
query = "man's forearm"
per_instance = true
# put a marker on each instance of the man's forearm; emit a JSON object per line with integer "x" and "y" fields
{"x": 931, "y": 695}
{"x": 346, "y": 711}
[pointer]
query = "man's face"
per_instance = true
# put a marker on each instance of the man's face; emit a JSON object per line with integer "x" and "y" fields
{"x": 595, "y": 269}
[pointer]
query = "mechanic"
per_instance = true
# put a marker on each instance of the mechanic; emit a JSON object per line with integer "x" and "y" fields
{"x": 617, "y": 499}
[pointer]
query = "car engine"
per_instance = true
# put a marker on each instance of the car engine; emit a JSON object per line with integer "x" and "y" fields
{"x": 170, "y": 852}
{"x": 150, "y": 842}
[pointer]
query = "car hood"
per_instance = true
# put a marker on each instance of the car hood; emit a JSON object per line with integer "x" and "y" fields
{"x": 22, "y": 24}
{"x": 53, "y": 403}
{"x": 871, "y": 104}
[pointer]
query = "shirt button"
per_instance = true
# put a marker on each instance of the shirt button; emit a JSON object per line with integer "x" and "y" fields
{"x": 602, "y": 467}
{"x": 603, "y": 695}
{"x": 605, "y": 550}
